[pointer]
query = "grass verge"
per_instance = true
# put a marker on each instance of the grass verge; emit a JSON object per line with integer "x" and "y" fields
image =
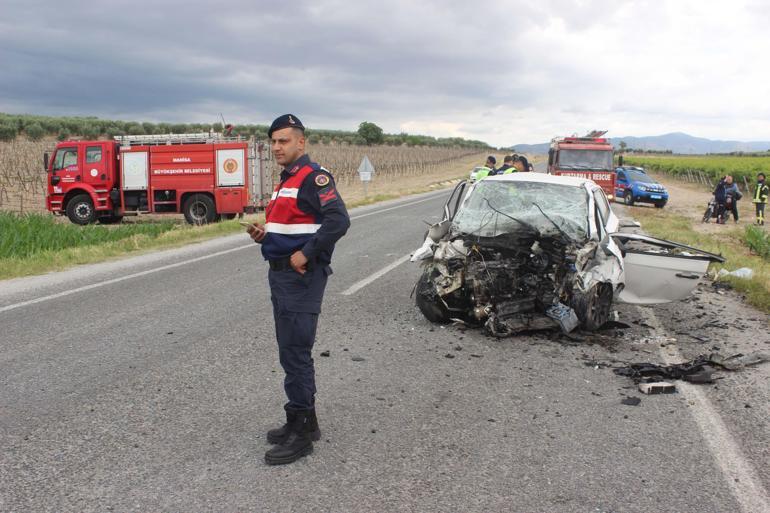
{"x": 730, "y": 243}
{"x": 36, "y": 243}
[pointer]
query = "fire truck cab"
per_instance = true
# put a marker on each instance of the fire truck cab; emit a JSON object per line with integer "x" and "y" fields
{"x": 203, "y": 176}
{"x": 584, "y": 157}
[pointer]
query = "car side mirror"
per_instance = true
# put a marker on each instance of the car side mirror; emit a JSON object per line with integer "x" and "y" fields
{"x": 437, "y": 231}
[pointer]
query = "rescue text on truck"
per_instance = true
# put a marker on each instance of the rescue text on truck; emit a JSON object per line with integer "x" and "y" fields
{"x": 203, "y": 176}
{"x": 584, "y": 157}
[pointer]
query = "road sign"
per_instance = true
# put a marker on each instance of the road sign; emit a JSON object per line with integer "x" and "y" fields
{"x": 365, "y": 170}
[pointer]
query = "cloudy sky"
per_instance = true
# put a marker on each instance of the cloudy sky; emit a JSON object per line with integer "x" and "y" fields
{"x": 504, "y": 72}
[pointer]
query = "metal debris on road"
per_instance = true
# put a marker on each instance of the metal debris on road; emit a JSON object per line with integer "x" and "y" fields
{"x": 657, "y": 387}
{"x": 699, "y": 370}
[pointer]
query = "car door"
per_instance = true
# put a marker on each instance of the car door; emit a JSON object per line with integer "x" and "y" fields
{"x": 621, "y": 182}
{"x": 658, "y": 270}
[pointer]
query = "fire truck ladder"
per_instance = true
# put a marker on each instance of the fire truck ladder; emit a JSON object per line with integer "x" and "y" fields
{"x": 169, "y": 139}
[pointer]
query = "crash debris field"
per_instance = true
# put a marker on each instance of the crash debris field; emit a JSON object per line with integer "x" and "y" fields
{"x": 155, "y": 392}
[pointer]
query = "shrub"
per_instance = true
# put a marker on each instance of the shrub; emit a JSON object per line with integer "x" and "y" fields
{"x": 8, "y": 131}
{"x": 34, "y": 131}
{"x": 91, "y": 132}
{"x": 370, "y": 133}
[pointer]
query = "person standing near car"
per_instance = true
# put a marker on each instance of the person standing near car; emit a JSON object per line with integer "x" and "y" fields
{"x": 521, "y": 164}
{"x": 490, "y": 164}
{"x": 507, "y": 164}
{"x": 761, "y": 193}
{"x": 304, "y": 219}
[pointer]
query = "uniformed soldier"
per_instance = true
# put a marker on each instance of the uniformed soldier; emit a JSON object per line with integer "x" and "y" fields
{"x": 304, "y": 219}
{"x": 490, "y": 164}
{"x": 507, "y": 164}
{"x": 760, "y": 198}
{"x": 521, "y": 164}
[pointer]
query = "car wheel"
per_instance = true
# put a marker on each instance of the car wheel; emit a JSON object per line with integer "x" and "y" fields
{"x": 628, "y": 198}
{"x": 80, "y": 209}
{"x": 110, "y": 219}
{"x": 593, "y": 308}
{"x": 428, "y": 301}
{"x": 199, "y": 209}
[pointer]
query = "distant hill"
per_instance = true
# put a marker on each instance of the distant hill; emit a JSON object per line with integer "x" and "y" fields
{"x": 677, "y": 142}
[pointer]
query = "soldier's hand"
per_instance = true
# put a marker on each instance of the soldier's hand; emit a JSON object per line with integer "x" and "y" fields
{"x": 299, "y": 262}
{"x": 257, "y": 232}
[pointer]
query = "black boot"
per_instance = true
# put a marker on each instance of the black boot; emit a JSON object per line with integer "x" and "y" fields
{"x": 278, "y": 435}
{"x": 297, "y": 444}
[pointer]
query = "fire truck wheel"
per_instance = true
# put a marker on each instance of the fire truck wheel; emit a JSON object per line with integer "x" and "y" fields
{"x": 110, "y": 219}
{"x": 199, "y": 209}
{"x": 80, "y": 209}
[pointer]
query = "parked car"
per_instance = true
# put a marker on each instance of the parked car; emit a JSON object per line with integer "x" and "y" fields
{"x": 635, "y": 186}
{"x": 530, "y": 251}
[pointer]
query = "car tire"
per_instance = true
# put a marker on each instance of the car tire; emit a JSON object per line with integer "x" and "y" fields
{"x": 199, "y": 209}
{"x": 628, "y": 198}
{"x": 428, "y": 301}
{"x": 593, "y": 308}
{"x": 80, "y": 209}
{"x": 110, "y": 219}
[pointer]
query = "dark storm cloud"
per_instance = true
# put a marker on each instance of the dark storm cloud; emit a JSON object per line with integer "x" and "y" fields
{"x": 328, "y": 59}
{"x": 503, "y": 71}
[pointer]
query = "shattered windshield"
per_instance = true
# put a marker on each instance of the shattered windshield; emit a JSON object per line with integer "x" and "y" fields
{"x": 495, "y": 207}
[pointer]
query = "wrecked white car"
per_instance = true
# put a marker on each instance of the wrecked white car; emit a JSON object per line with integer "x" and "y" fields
{"x": 530, "y": 251}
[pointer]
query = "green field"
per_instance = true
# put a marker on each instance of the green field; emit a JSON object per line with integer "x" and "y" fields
{"x": 715, "y": 166}
{"x": 35, "y": 243}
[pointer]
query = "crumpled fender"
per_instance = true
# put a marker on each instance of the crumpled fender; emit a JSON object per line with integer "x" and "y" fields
{"x": 424, "y": 251}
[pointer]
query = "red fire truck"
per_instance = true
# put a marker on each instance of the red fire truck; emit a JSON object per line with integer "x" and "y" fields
{"x": 585, "y": 157}
{"x": 203, "y": 176}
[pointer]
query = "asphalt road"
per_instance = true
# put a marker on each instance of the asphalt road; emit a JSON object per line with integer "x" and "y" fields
{"x": 148, "y": 385}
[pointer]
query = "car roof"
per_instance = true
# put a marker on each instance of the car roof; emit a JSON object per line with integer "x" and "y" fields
{"x": 541, "y": 178}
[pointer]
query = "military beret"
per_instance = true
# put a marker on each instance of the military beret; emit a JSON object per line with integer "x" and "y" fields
{"x": 285, "y": 121}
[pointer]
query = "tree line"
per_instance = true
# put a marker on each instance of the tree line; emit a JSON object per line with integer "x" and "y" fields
{"x": 63, "y": 128}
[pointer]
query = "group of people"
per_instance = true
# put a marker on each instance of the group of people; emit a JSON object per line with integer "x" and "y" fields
{"x": 727, "y": 195}
{"x": 511, "y": 164}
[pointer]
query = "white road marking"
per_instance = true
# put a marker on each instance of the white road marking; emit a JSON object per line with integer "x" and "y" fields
{"x": 393, "y": 208}
{"x": 204, "y": 257}
{"x": 117, "y": 280}
{"x": 382, "y": 272}
{"x": 740, "y": 475}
